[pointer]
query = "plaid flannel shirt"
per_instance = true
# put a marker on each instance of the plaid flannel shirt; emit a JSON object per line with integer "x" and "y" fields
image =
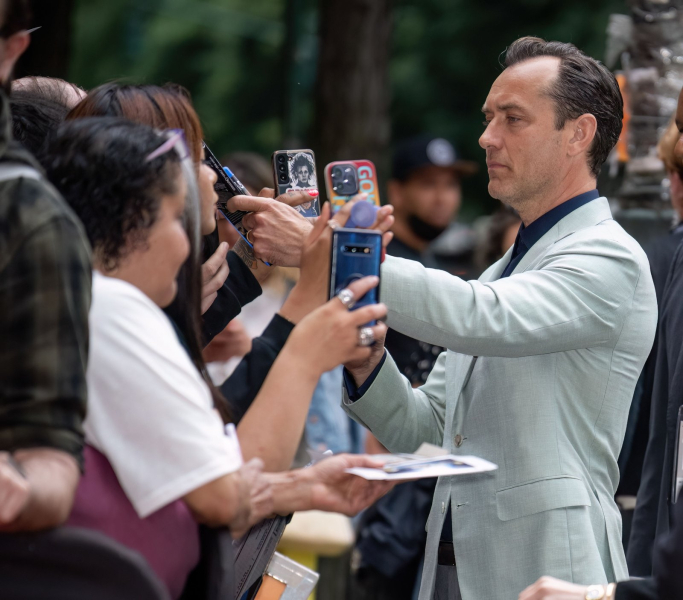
{"x": 45, "y": 289}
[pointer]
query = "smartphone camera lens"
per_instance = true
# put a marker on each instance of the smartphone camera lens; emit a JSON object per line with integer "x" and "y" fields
{"x": 282, "y": 168}
{"x": 281, "y": 158}
{"x": 283, "y": 178}
{"x": 344, "y": 180}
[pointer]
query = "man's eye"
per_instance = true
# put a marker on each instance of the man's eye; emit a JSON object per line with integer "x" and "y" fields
{"x": 513, "y": 119}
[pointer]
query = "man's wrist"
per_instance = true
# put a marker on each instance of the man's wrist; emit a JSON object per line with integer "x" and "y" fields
{"x": 362, "y": 377}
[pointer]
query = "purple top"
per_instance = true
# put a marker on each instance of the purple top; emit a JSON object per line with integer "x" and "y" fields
{"x": 168, "y": 539}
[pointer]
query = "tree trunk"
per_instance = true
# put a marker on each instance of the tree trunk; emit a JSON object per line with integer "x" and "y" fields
{"x": 49, "y": 51}
{"x": 352, "y": 89}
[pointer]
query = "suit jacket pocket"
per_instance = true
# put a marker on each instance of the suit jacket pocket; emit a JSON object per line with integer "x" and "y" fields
{"x": 540, "y": 495}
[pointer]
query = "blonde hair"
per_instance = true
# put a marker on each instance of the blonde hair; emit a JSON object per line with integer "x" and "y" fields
{"x": 666, "y": 149}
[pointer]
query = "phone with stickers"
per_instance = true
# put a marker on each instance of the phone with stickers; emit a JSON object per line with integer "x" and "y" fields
{"x": 347, "y": 178}
{"x": 295, "y": 170}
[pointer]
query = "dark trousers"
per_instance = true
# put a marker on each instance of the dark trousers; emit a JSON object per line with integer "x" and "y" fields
{"x": 369, "y": 584}
{"x": 446, "y": 586}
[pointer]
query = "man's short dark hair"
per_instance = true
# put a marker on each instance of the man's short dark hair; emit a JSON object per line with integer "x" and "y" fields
{"x": 583, "y": 85}
{"x": 15, "y": 16}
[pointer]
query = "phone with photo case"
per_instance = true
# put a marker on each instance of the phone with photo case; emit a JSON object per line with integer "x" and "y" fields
{"x": 346, "y": 178}
{"x": 295, "y": 170}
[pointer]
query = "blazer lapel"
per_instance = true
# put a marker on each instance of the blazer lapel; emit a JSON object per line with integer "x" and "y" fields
{"x": 585, "y": 216}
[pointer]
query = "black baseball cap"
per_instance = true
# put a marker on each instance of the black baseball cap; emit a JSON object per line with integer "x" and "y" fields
{"x": 425, "y": 151}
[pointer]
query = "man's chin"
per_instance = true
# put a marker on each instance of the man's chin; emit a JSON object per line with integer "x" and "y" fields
{"x": 495, "y": 190}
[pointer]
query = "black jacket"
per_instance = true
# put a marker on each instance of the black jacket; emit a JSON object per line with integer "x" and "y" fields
{"x": 660, "y": 254}
{"x": 239, "y": 289}
{"x": 667, "y": 584}
{"x": 652, "y": 515}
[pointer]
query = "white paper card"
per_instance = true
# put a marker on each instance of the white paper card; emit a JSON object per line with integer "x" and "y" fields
{"x": 442, "y": 466}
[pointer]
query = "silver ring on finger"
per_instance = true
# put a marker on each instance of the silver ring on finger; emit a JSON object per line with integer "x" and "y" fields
{"x": 347, "y": 298}
{"x": 366, "y": 336}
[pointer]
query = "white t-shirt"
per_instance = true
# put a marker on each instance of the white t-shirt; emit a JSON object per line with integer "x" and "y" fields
{"x": 149, "y": 410}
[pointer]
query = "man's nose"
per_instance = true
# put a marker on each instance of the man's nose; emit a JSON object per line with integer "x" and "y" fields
{"x": 489, "y": 138}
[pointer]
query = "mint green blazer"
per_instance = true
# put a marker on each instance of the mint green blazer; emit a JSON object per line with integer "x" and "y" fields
{"x": 538, "y": 378}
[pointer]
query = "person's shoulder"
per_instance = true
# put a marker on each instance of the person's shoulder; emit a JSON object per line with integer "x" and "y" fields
{"x": 28, "y": 202}
{"x": 606, "y": 236}
{"x": 119, "y": 305}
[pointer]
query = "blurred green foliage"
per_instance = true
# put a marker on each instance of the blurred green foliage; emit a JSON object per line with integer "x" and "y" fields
{"x": 230, "y": 54}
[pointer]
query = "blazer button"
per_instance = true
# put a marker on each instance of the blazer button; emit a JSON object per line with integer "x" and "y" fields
{"x": 457, "y": 440}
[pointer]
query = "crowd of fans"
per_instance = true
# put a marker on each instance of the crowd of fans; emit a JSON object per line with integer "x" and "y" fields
{"x": 160, "y": 378}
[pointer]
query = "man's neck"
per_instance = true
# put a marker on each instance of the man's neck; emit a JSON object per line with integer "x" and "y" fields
{"x": 533, "y": 208}
{"x": 405, "y": 234}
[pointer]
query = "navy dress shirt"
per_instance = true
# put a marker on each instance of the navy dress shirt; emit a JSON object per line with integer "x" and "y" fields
{"x": 526, "y": 238}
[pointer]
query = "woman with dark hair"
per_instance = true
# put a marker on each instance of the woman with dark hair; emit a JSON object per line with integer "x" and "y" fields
{"x": 157, "y": 460}
{"x": 169, "y": 107}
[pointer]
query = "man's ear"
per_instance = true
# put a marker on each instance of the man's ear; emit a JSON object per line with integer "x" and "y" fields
{"x": 14, "y": 46}
{"x": 583, "y": 132}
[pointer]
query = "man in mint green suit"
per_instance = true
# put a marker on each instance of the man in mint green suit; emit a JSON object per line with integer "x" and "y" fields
{"x": 544, "y": 350}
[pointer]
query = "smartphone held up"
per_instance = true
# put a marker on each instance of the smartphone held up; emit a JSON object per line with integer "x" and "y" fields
{"x": 356, "y": 253}
{"x": 295, "y": 170}
{"x": 346, "y": 179}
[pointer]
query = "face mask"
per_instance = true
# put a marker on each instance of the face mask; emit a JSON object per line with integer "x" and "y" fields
{"x": 424, "y": 230}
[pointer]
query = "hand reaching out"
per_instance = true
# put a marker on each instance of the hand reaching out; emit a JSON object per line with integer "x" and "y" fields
{"x": 335, "y": 490}
{"x": 549, "y": 588}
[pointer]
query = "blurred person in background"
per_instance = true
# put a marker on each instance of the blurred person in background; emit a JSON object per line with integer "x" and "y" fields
{"x": 39, "y": 105}
{"x": 426, "y": 194}
{"x": 499, "y": 236}
{"x": 660, "y": 253}
{"x": 59, "y": 90}
{"x": 157, "y": 459}
{"x": 654, "y": 505}
{"x": 44, "y": 299}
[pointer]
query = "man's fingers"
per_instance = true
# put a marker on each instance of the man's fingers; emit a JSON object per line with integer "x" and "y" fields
{"x": 343, "y": 214}
{"x": 295, "y": 197}
{"x": 373, "y": 312}
{"x": 215, "y": 261}
{"x": 267, "y": 193}
{"x": 362, "y": 286}
{"x": 248, "y": 203}
{"x": 319, "y": 226}
{"x": 386, "y": 238}
{"x": 384, "y": 214}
